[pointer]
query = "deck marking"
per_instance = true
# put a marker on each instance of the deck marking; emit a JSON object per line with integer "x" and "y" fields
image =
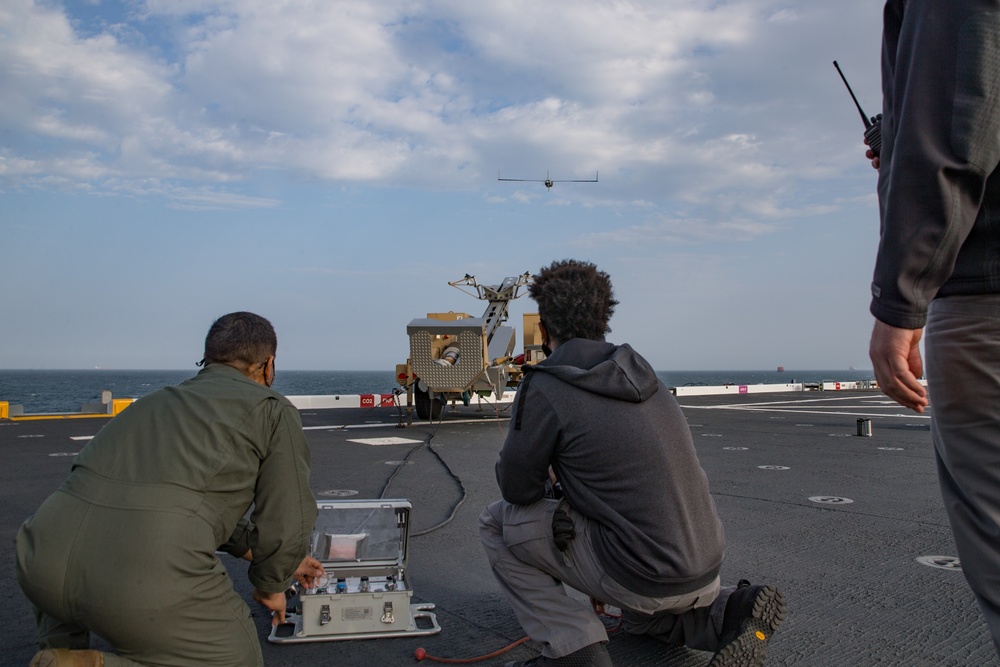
{"x": 791, "y": 409}
{"x": 378, "y": 442}
{"x": 831, "y": 500}
{"x": 81, "y": 437}
{"x": 941, "y": 562}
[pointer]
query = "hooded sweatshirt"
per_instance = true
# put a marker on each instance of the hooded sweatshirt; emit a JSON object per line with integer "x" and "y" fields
{"x": 623, "y": 455}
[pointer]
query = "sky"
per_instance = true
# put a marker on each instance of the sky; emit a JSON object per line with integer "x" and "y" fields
{"x": 333, "y": 164}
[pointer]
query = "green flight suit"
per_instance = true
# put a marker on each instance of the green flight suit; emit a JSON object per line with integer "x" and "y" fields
{"x": 126, "y": 547}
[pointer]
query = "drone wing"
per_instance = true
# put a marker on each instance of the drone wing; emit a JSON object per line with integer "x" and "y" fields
{"x": 549, "y": 181}
{"x": 521, "y": 180}
{"x": 585, "y": 180}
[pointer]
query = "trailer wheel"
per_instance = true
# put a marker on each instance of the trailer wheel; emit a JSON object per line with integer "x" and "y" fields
{"x": 427, "y": 408}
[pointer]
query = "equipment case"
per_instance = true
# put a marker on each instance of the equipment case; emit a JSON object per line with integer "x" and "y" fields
{"x": 362, "y": 545}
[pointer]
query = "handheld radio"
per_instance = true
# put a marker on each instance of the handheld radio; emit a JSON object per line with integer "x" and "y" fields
{"x": 873, "y": 127}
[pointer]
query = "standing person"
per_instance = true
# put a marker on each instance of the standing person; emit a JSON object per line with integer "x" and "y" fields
{"x": 602, "y": 490}
{"x": 126, "y": 546}
{"x": 938, "y": 261}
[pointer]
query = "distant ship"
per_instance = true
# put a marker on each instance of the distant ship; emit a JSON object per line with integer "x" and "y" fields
{"x": 781, "y": 369}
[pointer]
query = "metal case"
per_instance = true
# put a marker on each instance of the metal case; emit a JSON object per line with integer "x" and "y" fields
{"x": 363, "y": 547}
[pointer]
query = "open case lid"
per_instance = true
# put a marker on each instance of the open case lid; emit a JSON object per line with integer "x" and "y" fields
{"x": 369, "y": 532}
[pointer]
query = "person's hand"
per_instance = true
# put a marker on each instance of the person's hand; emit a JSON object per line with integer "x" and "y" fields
{"x": 874, "y": 158}
{"x": 895, "y": 355}
{"x": 309, "y": 570}
{"x": 276, "y": 602}
{"x": 870, "y": 154}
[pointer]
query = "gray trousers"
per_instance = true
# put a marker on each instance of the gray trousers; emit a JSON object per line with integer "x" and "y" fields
{"x": 962, "y": 347}
{"x": 533, "y": 574}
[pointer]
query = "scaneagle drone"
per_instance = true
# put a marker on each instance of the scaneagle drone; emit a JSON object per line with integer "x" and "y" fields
{"x": 549, "y": 182}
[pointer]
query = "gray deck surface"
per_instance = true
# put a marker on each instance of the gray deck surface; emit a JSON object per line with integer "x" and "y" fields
{"x": 856, "y": 592}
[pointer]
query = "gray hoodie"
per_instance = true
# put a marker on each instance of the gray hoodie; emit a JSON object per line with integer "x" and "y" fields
{"x": 623, "y": 454}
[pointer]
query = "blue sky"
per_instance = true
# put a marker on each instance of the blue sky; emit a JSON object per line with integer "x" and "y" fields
{"x": 331, "y": 165}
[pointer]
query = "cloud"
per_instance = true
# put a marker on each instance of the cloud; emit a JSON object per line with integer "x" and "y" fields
{"x": 671, "y": 97}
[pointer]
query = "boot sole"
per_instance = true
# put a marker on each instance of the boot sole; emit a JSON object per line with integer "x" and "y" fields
{"x": 750, "y": 646}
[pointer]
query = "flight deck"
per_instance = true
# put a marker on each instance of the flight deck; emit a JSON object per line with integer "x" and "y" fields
{"x": 850, "y": 527}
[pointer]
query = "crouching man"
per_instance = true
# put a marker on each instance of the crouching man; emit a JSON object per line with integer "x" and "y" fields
{"x": 603, "y": 492}
{"x": 126, "y": 547}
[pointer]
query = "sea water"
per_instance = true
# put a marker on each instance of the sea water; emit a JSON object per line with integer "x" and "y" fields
{"x": 44, "y": 391}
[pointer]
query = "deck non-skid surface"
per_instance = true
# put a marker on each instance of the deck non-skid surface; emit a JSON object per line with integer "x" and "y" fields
{"x": 851, "y": 528}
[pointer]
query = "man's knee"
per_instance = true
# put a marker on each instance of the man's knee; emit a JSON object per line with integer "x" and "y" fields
{"x": 490, "y": 521}
{"x": 491, "y": 526}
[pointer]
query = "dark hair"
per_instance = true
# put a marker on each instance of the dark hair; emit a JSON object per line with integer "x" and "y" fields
{"x": 240, "y": 339}
{"x": 575, "y": 300}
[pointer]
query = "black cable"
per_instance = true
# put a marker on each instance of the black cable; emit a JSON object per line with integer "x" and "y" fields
{"x": 458, "y": 480}
{"x": 454, "y": 510}
{"x": 427, "y": 443}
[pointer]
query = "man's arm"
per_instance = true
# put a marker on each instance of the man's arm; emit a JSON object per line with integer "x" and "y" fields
{"x": 284, "y": 508}
{"x": 523, "y": 468}
{"x": 941, "y": 140}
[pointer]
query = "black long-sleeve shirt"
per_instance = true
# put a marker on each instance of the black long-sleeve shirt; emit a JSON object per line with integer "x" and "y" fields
{"x": 939, "y": 185}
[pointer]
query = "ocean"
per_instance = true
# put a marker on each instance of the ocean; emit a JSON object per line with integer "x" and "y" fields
{"x": 44, "y": 391}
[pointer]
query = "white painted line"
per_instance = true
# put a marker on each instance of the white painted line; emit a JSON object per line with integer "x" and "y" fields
{"x": 385, "y": 441}
{"x": 785, "y": 402}
{"x": 81, "y": 437}
{"x": 804, "y": 412}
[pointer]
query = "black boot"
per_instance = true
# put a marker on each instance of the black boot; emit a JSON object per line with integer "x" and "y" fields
{"x": 753, "y": 613}
{"x": 595, "y": 655}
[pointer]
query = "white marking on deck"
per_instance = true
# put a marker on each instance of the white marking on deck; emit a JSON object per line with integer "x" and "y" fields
{"x": 799, "y": 407}
{"x": 81, "y": 437}
{"x": 378, "y": 442}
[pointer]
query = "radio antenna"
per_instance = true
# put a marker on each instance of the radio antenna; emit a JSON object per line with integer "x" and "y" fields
{"x": 864, "y": 118}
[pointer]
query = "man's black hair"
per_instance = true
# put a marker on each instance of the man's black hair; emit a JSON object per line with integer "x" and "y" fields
{"x": 240, "y": 339}
{"x": 574, "y": 299}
